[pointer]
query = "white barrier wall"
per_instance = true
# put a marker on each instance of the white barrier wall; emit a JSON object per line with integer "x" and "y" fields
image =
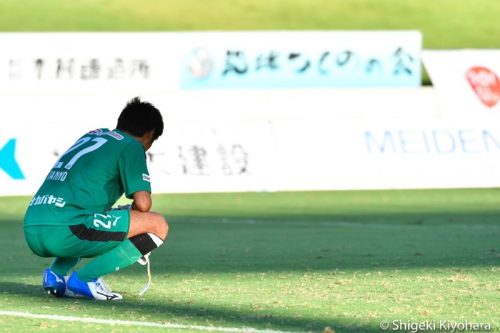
{"x": 269, "y": 140}
{"x": 235, "y": 139}
{"x": 467, "y": 81}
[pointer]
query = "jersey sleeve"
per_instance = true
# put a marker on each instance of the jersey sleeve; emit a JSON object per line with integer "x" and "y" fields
{"x": 134, "y": 172}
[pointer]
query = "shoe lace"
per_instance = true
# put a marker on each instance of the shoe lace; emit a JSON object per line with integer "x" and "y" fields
{"x": 100, "y": 283}
{"x": 147, "y": 285}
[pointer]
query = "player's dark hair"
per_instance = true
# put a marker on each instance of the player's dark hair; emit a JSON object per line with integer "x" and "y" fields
{"x": 139, "y": 117}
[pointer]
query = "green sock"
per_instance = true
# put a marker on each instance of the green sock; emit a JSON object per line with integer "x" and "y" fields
{"x": 61, "y": 266}
{"x": 120, "y": 257}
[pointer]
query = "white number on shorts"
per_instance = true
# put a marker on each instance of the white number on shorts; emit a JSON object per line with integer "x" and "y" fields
{"x": 107, "y": 225}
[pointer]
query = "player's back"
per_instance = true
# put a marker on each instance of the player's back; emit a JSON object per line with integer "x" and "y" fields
{"x": 86, "y": 179}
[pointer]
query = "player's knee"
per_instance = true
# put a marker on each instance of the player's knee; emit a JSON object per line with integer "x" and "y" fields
{"x": 161, "y": 226}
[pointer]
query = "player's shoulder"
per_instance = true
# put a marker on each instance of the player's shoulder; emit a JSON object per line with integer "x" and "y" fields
{"x": 119, "y": 140}
{"x": 114, "y": 142}
{"x": 110, "y": 134}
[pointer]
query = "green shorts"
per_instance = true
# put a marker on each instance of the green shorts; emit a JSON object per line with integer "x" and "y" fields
{"x": 96, "y": 234}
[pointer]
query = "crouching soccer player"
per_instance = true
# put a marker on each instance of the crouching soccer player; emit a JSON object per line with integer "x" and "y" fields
{"x": 71, "y": 215}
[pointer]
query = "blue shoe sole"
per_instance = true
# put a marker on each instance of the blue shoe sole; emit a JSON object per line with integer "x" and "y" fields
{"x": 51, "y": 290}
{"x": 52, "y": 287}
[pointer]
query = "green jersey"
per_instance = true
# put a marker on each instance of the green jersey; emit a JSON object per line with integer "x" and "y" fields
{"x": 89, "y": 178}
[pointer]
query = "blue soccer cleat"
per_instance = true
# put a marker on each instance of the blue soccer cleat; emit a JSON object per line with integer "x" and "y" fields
{"x": 53, "y": 283}
{"x": 95, "y": 289}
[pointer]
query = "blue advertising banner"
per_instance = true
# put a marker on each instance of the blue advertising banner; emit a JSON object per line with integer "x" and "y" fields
{"x": 303, "y": 59}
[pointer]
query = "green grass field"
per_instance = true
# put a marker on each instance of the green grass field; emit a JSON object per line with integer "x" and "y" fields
{"x": 287, "y": 262}
{"x": 444, "y": 23}
{"x": 290, "y": 262}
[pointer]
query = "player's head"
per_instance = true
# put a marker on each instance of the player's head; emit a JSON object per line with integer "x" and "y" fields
{"x": 142, "y": 120}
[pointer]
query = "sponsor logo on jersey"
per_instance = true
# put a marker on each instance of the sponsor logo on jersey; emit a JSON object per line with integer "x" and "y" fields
{"x": 115, "y": 135}
{"x": 146, "y": 178}
{"x": 8, "y": 162}
{"x": 96, "y": 132}
{"x": 112, "y": 134}
{"x": 47, "y": 199}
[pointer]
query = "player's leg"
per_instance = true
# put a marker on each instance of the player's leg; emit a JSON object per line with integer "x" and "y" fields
{"x": 94, "y": 235}
{"x": 142, "y": 223}
{"x": 62, "y": 265}
{"x": 146, "y": 232}
{"x": 102, "y": 235}
{"x": 43, "y": 241}
{"x": 55, "y": 277}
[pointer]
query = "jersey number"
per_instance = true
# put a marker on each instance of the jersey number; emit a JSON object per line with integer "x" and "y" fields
{"x": 97, "y": 143}
{"x": 104, "y": 221}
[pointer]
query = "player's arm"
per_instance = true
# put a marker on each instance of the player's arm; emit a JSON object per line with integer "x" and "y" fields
{"x": 134, "y": 176}
{"x": 142, "y": 201}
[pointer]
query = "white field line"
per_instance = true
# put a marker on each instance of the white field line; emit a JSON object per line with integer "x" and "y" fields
{"x": 347, "y": 224}
{"x": 88, "y": 320}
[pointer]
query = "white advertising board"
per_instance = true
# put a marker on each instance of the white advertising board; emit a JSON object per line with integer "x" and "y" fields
{"x": 266, "y": 140}
{"x": 467, "y": 81}
{"x": 56, "y": 87}
{"x": 88, "y": 62}
{"x": 158, "y": 62}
